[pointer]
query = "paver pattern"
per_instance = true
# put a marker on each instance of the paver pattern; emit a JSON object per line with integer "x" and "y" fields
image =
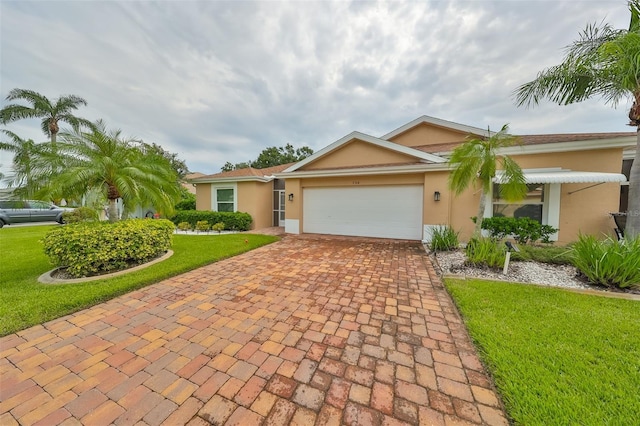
{"x": 309, "y": 330}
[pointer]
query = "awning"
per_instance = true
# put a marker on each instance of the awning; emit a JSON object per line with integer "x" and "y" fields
{"x": 566, "y": 176}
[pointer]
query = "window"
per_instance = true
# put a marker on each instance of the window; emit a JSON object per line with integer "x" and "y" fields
{"x": 40, "y": 205}
{"x": 225, "y": 200}
{"x": 532, "y": 206}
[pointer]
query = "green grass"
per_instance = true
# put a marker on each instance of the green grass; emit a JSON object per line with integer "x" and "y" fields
{"x": 25, "y": 302}
{"x": 557, "y": 357}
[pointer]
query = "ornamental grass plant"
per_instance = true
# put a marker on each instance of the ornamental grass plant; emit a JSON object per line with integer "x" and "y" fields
{"x": 444, "y": 238}
{"x": 609, "y": 262}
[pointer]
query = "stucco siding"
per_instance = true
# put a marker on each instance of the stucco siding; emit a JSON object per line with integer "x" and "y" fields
{"x": 358, "y": 154}
{"x": 203, "y": 196}
{"x": 256, "y": 198}
{"x": 427, "y": 134}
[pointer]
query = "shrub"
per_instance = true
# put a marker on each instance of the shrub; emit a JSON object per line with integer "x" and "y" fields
{"x": 234, "y": 221}
{"x": 202, "y": 225}
{"x": 184, "y": 226}
{"x": 186, "y": 204}
{"x": 444, "y": 238}
{"x": 523, "y": 229}
{"x": 609, "y": 263}
{"x": 80, "y": 214}
{"x": 218, "y": 227}
{"x": 93, "y": 248}
{"x": 486, "y": 252}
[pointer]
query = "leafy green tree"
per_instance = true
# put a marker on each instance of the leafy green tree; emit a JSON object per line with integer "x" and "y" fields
{"x": 229, "y": 166}
{"x": 116, "y": 167}
{"x": 178, "y": 165}
{"x": 51, "y": 112}
{"x": 603, "y": 62}
{"x": 476, "y": 161}
{"x": 272, "y": 156}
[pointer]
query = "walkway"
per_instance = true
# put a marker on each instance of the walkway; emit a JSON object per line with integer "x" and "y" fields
{"x": 308, "y": 330}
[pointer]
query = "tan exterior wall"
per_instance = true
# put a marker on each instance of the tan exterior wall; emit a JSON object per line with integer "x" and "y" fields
{"x": 256, "y": 198}
{"x": 427, "y": 134}
{"x": 436, "y": 212}
{"x": 358, "y": 153}
{"x": 293, "y": 209}
{"x": 203, "y": 196}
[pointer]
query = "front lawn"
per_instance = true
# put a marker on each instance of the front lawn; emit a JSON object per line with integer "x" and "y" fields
{"x": 557, "y": 357}
{"x": 25, "y": 302}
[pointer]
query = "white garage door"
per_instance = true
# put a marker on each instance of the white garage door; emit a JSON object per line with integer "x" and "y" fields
{"x": 366, "y": 211}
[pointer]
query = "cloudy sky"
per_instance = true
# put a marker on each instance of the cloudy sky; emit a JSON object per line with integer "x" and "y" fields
{"x": 218, "y": 81}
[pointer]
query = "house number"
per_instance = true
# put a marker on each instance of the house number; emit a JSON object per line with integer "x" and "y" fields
{"x": 355, "y": 182}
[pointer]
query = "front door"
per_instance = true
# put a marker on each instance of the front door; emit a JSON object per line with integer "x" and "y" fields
{"x": 278, "y": 207}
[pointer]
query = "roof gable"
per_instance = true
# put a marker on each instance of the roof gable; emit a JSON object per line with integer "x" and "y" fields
{"x": 427, "y": 130}
{"x": 396, "y": 152}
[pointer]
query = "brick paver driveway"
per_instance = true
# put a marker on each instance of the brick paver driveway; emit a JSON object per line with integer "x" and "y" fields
{"x": 307, "y": 330}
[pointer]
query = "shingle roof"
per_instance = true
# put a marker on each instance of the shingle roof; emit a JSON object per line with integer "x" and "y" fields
{"x": 536, "y": 140}
{"x": 246, "y": 172}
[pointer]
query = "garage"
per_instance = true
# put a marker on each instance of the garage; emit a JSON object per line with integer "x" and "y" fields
{"x": 393, "y": 211}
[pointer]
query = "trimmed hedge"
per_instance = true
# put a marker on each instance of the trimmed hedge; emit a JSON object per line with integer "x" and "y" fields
{"x": 87, "y": 249}
{"x": 233, "y": 221}
{"x": 523, "y": 229}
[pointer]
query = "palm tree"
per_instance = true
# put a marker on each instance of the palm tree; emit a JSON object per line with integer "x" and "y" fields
{"x": 477, "y": 160}
{"x": 24, "y": 153}
{"x": 41, "y": 107}
{"x": 116, "y": 167}
{"x": 603, "y": 62}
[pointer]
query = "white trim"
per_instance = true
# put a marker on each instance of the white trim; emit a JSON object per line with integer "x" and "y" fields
{"x": 552, "y": 208}
{"x": 292, "y": 226}
{"x": 372, "y": 140}
{"x": 619, "y": 142}
{"x": 214, "y": 195}
{"x": 427, "y": 232}
{"x": 629, "y": 154}
{"x": 361, "y": 171}
{"x": 626, "y": 142}
{"x": 232, "y": 179}
{"x": 437, "y": 122}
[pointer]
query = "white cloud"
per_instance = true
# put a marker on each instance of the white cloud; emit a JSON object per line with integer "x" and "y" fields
{"x": 219, "y": 81}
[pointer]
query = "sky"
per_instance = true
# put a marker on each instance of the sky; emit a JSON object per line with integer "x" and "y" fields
{"x": 218, "y": 81}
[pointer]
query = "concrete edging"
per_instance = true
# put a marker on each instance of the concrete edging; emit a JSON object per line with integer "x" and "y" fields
{"x": 601, "y": 293}
{"x": 46, "y": 278}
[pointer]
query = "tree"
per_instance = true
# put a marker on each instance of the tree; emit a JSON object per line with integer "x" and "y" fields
{"x": 23, "y": 153}
{"x": 476, "y": 160}
{"x": 273, "y": 156}
{"x": 603, "y": 62}
{"x": 178, "y": 165}
{"x": 41, "y": 107}
{"x": 229, "y": 166}
{"x": 115, "y": 167}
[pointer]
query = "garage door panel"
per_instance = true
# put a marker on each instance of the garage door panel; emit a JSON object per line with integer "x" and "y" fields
{"x": 386, "y": 211}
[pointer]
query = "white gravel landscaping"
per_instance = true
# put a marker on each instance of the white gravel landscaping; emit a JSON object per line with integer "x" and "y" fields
{"x": 452, "y": 262}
